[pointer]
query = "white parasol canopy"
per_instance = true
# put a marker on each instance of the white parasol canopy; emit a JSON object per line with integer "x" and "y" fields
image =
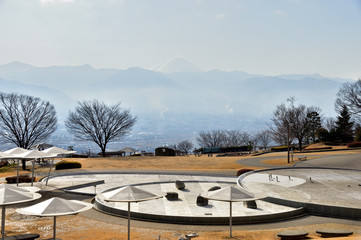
{"x": 57, "y": 151}
{"x": 12, "y": 154}
{"x": 128, "y": 194}
{"x": 33, "y": 154}
{"x": 55, "y": 207}
{"x": 17, "y": 150}
{"x": 231, "y": 194}
{"x": 4, "y": 155}
{"x": 12, "y": 195}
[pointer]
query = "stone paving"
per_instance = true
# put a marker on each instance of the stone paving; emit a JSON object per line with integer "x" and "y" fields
{"x": 334, "y": 187}
{"x": 161, "y": 183}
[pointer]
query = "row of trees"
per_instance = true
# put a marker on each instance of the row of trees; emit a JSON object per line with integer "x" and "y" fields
{"x": 233, "y": 138}
{"x": 26, "y": 121}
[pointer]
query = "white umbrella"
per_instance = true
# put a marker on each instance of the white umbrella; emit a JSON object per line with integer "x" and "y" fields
{"x": 12, "y": 195}
{"x": 128, "y": 194}
{"x": 34, "y": 154}
{"x": 4, "y": 155}
{"x": 57, "y": 151}
{"x": 54, "y": 207}
{"x": 17, "y": 150}
{"x": 12, "y": 154}
{"x": 230, "y": 194}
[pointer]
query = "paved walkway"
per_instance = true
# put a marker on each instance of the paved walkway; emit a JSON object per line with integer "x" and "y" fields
{"x": 337, "y": 160}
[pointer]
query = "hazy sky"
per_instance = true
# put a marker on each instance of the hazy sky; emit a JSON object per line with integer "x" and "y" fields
{"x": 257, "y": 36}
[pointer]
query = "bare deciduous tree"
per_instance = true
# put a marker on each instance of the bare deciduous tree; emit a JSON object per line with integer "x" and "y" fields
{"x": 223, "y": 138}
{"x": 214, "y": 138}
{"x": 264, "y": 138}
{"x": 329, "y": 123}
{"x": 291, "y": 122}
{"x": 97, "y": 122}
{"x": 236, "y": 138}
{"x": 349, "y": 94}
{"x": 25, "y": 120}
{"x": 185, "y": 146}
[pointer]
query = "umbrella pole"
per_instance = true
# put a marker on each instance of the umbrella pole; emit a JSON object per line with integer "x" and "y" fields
{"x": 17, "y": 175}
{"x": 54, "y": 228}
{"x": 32, "y": 174}
{"x": 128, "y": 220}
{"x": 3, "y": 222}
{"x": 51, "y": 166}
{"x": 230, "y": 219}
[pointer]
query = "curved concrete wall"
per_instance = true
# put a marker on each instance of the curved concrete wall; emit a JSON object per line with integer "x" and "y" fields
{"x": 200, "y": 220}
{"x": 311, "y": 208}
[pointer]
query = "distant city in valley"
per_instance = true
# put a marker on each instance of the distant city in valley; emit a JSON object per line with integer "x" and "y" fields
{"x": 173, "y": 102}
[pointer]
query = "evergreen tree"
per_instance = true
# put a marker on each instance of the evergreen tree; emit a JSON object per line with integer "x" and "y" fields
{"x": 344, "y": 126}
{"x": 314, "y": 123}
{"x": 357, "y": 132}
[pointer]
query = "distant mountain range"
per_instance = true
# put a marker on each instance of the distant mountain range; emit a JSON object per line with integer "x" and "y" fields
{"x": 177, "y": 99}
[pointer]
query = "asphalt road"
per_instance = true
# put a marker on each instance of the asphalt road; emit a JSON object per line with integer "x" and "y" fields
{"x": 344, "y": 160}
{"x": 348, "y": 161}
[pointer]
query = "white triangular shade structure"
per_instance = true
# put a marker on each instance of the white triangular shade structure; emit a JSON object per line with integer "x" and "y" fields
{"x": 55, "y": 207}
{"x": 17, "y": 150}
{"x": 128, "y": 194}
{"x": 14, "y": 151}
{"x": 231, "y": 194}
{"x": 4, "y": 155}
{"x": 57, "y": 151}
{"x": 33, "y": 154}
{"x": 12, "y": 195}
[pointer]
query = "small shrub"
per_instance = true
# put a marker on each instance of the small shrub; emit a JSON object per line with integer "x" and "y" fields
{"x": 318, "y": 148}
{"x": 244, "y": 170}
{"x": 67, "y": 165}
{"x": 354, "y": 144}
{"x": 3, "y": 163}
{"x": 22, "y": 179}
{"x": 281, "y": 148}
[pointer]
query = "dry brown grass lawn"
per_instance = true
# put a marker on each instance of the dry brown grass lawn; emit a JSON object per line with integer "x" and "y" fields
{"x": 165, "y": 163}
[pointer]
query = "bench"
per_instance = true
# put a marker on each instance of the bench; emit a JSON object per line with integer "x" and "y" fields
{"x": 302, "y": 158}
{"x": 23, "y": 237}
{"x": 330, "y": 232}
{"x": 292, "y": 234}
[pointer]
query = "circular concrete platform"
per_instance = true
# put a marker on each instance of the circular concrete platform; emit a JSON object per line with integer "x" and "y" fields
{"x": 184, "y": 210}
{"x": 321, "y": 191}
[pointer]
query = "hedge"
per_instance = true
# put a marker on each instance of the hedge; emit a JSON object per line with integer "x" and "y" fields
{"x": 67, "y": 165}
{"x": 22, "y": 179}
{"x": 354, "y": 144}
{"x": 319, "y": 148}
{"x": 281, "y": 148}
